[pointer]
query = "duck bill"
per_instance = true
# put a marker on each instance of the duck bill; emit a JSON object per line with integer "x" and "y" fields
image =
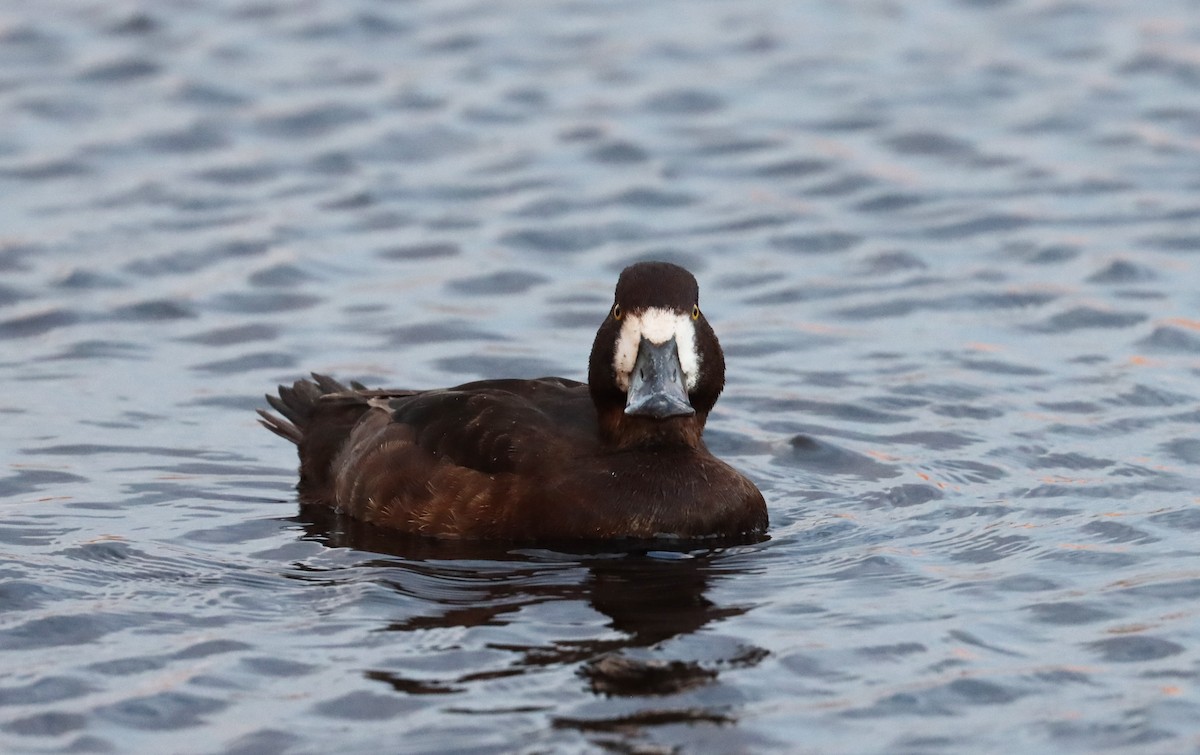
{"x": 656, "y": 387}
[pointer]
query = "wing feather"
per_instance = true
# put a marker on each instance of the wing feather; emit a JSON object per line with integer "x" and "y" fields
{"x": 495, "y": 428}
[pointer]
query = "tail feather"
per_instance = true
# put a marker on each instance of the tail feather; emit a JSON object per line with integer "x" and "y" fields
{"x": 296, "y": 404}
{"x": 327, "y": 384}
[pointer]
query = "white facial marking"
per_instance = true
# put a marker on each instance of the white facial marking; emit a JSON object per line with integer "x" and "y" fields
{"x": 658, "y": 326}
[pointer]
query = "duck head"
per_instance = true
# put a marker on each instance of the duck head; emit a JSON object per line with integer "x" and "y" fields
{"x": 656, "y": 367}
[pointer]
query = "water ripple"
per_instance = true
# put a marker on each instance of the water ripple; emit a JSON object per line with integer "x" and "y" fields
{"x": 950, "y": 251}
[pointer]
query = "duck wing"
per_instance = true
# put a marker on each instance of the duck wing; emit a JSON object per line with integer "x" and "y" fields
{"x": 497, "y": 426}
{"x": 449, "y": 462}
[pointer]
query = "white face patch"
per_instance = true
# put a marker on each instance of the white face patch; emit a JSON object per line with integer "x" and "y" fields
{"x": 658, "y": 326}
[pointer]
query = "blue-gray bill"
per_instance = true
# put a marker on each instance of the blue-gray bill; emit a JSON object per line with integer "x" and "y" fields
{"x": 656, "y": 387}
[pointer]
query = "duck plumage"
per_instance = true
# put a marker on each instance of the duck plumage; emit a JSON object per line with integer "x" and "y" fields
{"x": 621, "y": 456}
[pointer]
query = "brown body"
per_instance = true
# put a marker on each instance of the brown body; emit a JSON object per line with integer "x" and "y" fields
{"x": 547, "y": 459}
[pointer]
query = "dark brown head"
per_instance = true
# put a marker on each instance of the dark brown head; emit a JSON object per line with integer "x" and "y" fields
{"x": 656, "y": 368}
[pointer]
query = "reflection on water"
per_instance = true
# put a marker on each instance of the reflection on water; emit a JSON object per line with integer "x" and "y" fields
{"x": 646, "y": 597}
{"x": 951, "y": 252}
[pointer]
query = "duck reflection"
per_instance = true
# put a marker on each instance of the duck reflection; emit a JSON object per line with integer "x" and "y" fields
{"x": 648, "y": 596}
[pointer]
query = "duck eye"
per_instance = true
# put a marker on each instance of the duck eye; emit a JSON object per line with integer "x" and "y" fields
{"x": 695, "y": 312}
{"x": 616, "y": 312}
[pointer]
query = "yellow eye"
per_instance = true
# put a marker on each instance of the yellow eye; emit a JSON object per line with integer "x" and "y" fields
{"x": 616, "y": 311}
{"x": 695, "y": 312}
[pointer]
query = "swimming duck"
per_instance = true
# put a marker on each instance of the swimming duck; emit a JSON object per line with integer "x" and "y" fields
{"x": 621, "y": 456}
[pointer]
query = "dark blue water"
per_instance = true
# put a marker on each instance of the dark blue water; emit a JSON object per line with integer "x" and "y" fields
{"x": 952, "y": 250}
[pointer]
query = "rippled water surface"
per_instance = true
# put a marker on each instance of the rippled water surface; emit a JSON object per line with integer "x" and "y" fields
{"x": 952, "y": 250}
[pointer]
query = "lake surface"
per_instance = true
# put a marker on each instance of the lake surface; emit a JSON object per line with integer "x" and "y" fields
{"x": 952, "y": 250}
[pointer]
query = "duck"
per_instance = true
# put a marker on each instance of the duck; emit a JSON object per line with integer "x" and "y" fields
{"x": 621, "y": 456}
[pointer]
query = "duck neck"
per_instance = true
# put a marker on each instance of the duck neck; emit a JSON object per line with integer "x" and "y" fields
{"x": 621, "y": 431}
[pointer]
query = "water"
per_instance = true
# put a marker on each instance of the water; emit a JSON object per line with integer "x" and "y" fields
{"x": 952, "y": 250}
